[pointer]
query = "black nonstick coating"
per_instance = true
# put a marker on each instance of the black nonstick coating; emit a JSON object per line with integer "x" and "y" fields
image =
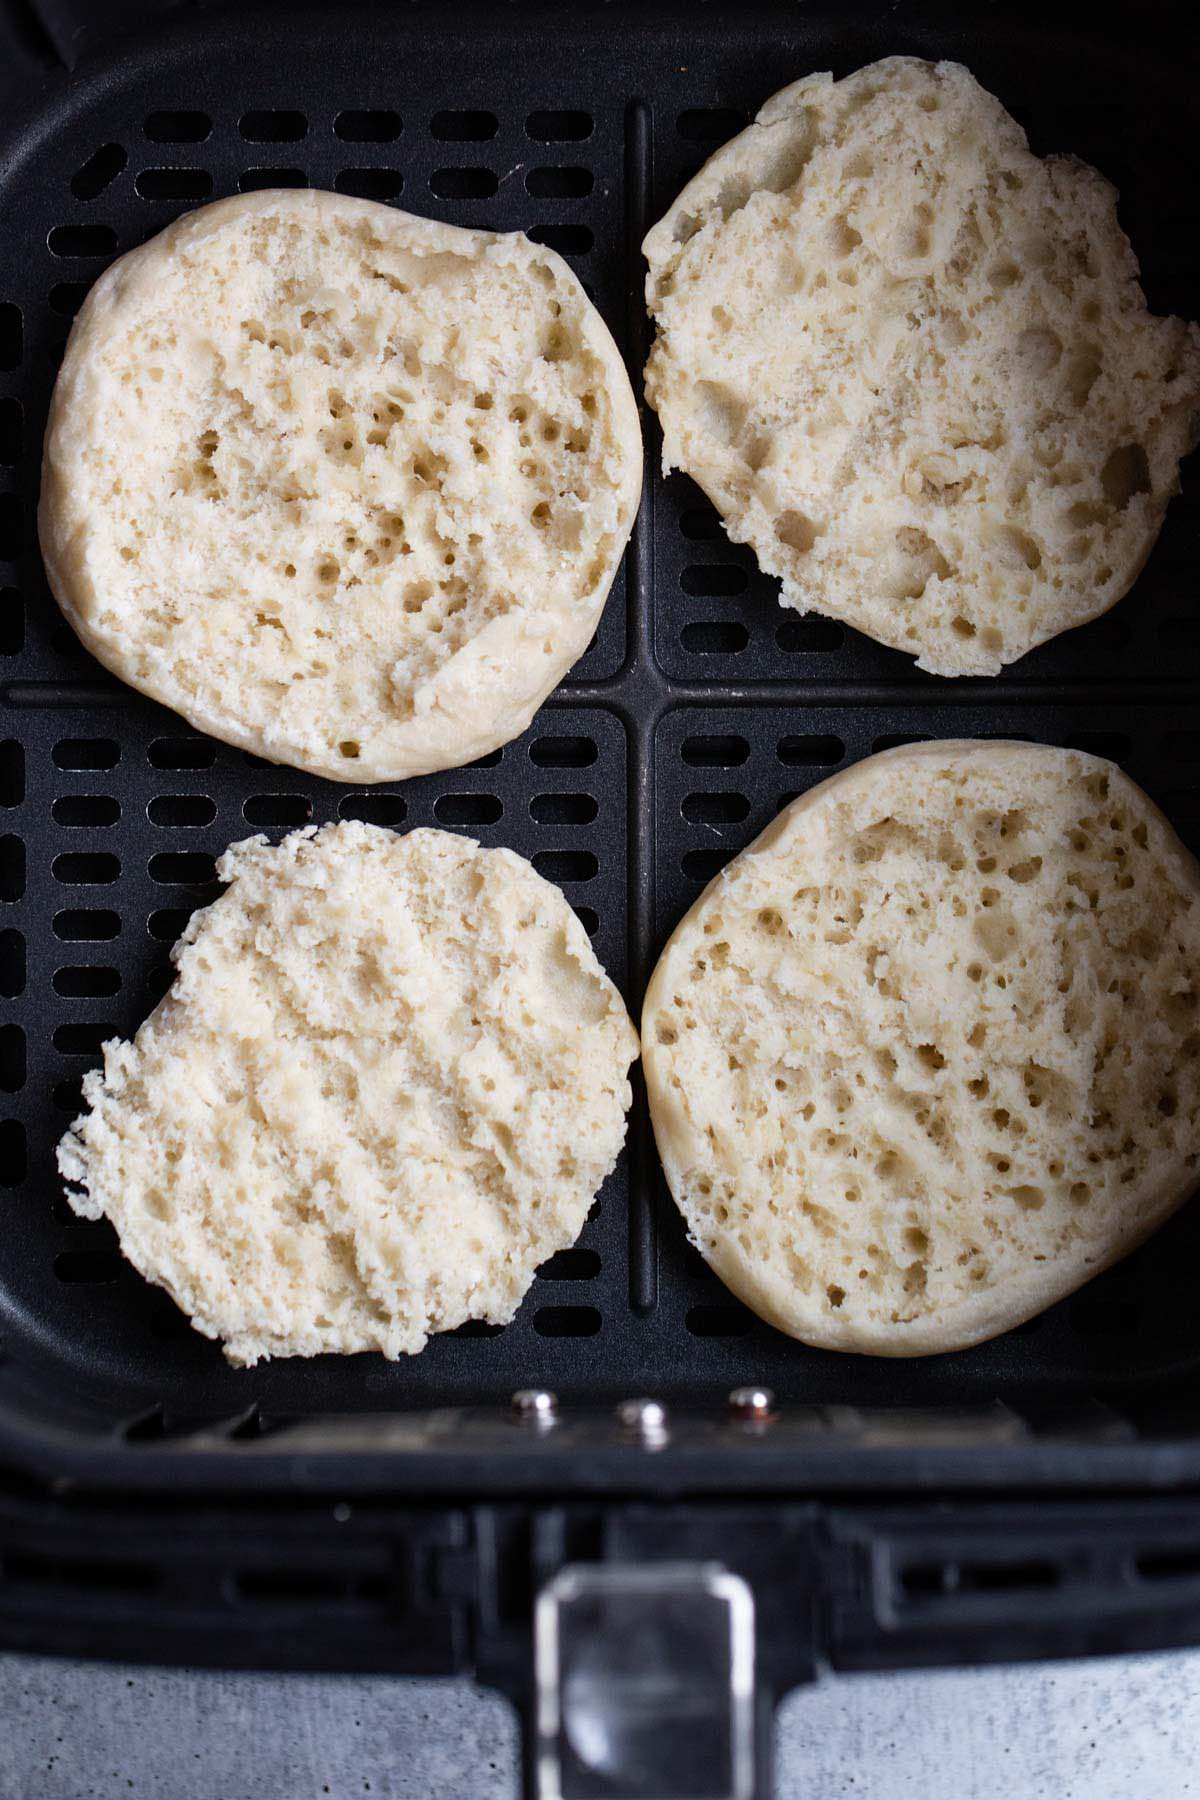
{"x": 700, "y": 708}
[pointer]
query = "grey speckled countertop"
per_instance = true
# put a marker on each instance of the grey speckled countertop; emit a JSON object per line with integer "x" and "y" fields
{"x": 1124, "y": 1728}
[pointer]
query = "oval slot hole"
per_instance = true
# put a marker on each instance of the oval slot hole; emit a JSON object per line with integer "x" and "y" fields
{"x": 82, "y": 1038}
{"x": 563, "y": 752}
{"x": 568, "y": 240}
{"x": 374, "y": 809}
{"x": 714, "y": 579}
{"x": 12, "y": 963}
{"x": 273, "y": 126}
{"x": 468, "y": 809}
{"x": 702, "y": 865}
{"x": 86, "y": 869}
{"x": 182, "y": 753}
{"x": 189, "y": 810}
{"x": 177, "y": 127}
{"x": 464, "y": 184}
{"x": 84, "y": 982}
{"x": 370, "y": 184}
{"x": 174, "y": 184}
{"x": 277, "y": 809}
{"x": 86, "y": 753}
{"x": 78, "y": 810}
{"x": 808, "y": 636}
{"x": 715, "y": 752}
{"x": 81, "y": 240}
{"x": 12, "y": 1058}
{"x": 253, "y": 181}
{"x": 12, "y": 868}
{"x": 85, "y": 925}
{"x": 549, "y": 127}
{"x": 559, "y": 184}
{"x": 464, "y": 127}
{"x": 14, "y": 1153}
{"x": 571, "y": 1265}
{"x": 701, "y": 524}
{"x": 367, "y": 127}
{"x": 566, "y": 865}
{"x": 98, "y": 172}
{"x": 715, "y": 809}
{"x": 563, "y": 809}
{"x": 800, "y": 750}
{"x": 567, "y": 1321}
{"x": 186, "y": 867}
{"x": 709, "y": 124}
{"x": 714, "y": 637}
{"x": 168, "y": 923}
{"x": 89, "y": 1267}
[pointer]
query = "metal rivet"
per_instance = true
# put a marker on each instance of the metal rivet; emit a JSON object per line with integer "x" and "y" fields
{"x": 537, "y": 1406}
{"x": 754, "y": 1403}
{"x": 646, "y": 1417}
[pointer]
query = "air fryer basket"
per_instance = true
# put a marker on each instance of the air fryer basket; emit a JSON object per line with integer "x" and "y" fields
{"x": 700, "y": 708}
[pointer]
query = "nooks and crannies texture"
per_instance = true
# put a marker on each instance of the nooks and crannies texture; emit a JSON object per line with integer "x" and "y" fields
{"x": 342, "y": 486}
{"x": 911, "y": 365}
{"x": 386, "y": 1085}
{"x": 926, "y": 1056}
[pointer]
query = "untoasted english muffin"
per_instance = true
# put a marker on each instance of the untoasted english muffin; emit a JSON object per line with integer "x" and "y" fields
{"x": 911, "y": 365}
{"x": 926, "y": 1055}
{"x": 342, "y": 486}
{"x": 386, "y": 1085}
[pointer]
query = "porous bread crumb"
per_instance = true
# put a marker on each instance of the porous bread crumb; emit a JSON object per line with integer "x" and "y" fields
{"x": 926, "y": 1056}
{"x": 342, "y": 486}
{"x": 911, "y": 365}
{"x": 386, "y": 1085}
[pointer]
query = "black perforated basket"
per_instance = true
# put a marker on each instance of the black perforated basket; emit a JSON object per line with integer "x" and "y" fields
{"x": 698, "y": 711}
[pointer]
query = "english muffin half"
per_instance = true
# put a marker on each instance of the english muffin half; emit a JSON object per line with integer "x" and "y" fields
{"x": 926, "y": 1055}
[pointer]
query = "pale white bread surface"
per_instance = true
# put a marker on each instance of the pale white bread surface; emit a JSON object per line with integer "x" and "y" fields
{"x": 343, "y": 486}
{"x": 911, "y": 365}
{"x": 387, "y": 1083}
{"x": 926, "y": 1055}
